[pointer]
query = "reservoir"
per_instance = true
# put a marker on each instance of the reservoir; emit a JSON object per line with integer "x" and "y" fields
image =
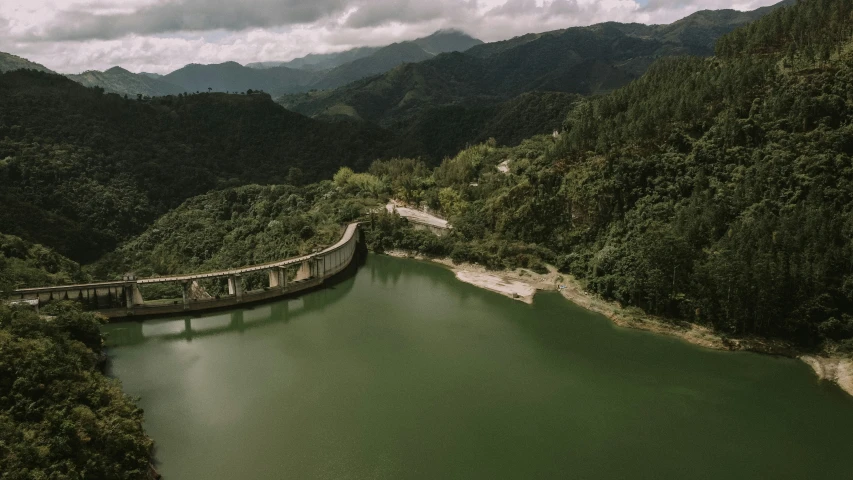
{"x": 401, "y": 371}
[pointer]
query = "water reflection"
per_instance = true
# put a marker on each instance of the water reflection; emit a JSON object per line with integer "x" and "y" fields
{"x": 387, "y": 274}
{"x": 187, "y": 328}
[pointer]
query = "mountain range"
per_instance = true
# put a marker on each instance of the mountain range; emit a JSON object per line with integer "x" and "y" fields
{"x": 447, "y": 90}
{"x": 581, "y": 60}
{"x": 439, "y": 42}
{"x": 277, "y": 78}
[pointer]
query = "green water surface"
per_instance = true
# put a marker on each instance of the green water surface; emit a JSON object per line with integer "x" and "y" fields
{"x": 401, "y": 371}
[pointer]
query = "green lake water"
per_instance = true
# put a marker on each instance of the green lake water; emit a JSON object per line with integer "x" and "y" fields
{"x": 401, "y": 371}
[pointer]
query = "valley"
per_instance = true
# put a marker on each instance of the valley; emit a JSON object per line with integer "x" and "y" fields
{"x": 692, "y": 181}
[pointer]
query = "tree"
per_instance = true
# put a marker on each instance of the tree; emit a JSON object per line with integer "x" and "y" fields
{"x": 452, "y": 204}
{"x": 343, "y": 176}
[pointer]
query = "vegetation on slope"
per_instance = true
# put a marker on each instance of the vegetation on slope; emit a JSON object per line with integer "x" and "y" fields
{"x": 234, "y": 227}
{"x": 24, "y": 264}
{"x": 60, "y": 417}
{"x": 9, "y": 62}
{"x": 445, "y": 130}
{"x": 108, "y": 166}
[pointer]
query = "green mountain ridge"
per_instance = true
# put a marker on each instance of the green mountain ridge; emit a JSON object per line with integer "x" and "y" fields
{"x": 9, "y": 62}
{"x": 582, "y": 60}
{"x": 439, "y": 42}
{"x": 380, "y": 61}
{"x": 121, "y": 81}
{"x": 233, "y": 77}
{"x": 319, "y": 61}
{"x": 318, "y": 71}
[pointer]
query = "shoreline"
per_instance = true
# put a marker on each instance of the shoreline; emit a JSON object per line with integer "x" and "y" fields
{"x": 523, "y": 284}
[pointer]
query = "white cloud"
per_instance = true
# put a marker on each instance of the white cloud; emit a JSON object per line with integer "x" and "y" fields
{"x": 161, "y": 35}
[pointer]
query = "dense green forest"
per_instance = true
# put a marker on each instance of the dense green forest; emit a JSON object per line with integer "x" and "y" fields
{"x": 60, "y": 416}
{"x": 715, "y": 190}
{"x": 82, "y": 170}
{"x": 445, "y": 130}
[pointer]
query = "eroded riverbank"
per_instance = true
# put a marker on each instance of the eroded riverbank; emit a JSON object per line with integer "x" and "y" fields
{"x": 522, "y": 284}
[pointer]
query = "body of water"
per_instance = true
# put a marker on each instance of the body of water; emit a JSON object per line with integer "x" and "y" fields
{"x": 401, "y": 371}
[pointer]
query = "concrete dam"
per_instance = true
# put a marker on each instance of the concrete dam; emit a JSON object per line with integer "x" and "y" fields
{"x": 124, "y": 298}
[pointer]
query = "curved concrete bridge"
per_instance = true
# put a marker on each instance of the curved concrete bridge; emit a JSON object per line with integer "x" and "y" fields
{"x": 124, "y": 298}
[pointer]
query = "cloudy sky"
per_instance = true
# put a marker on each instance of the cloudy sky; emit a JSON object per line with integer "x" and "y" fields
{"x": 71, "y": 36}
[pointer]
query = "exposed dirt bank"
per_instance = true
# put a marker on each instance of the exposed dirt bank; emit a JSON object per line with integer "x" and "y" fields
{"x": 522, "y": 284}
{"x": 837, "y": 370}
{"x": 511, "y": 288}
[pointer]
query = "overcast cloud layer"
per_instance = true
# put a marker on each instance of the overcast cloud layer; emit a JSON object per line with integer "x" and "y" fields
{"x": 71, "y": 36}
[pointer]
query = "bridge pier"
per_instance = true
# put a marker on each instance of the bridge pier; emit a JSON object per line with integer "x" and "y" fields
{"x": 277, "y": 278}
{"x": 305, "y": 271}
{"x": 235, "y": 286}
{"x": 320, "y": 267}
{"x": 132, "y": 295}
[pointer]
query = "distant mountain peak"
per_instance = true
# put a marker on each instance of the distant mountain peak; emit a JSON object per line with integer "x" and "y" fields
{"x": 449, "y": 31}
{"x": 447, "y": 40}
{"x": 9, "y": 62}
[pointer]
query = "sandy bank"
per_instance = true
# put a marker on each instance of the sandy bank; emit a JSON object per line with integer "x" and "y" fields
{"x": 511, "y": 288}
{"x": 837, "y": 370}
{"x": 519, "y": 284}
{"x": 522, "y": 284}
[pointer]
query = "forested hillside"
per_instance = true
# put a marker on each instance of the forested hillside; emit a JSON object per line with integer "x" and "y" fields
{"x": 9, "y": 62}
{"x": 24, "y": 264}
{"x": 444, "y": 130}
{"x": 60, "y": 416}
{"x": 81, "y": 170}
{"x": 715, "y": 190}
{"x": 233, "y": 227}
